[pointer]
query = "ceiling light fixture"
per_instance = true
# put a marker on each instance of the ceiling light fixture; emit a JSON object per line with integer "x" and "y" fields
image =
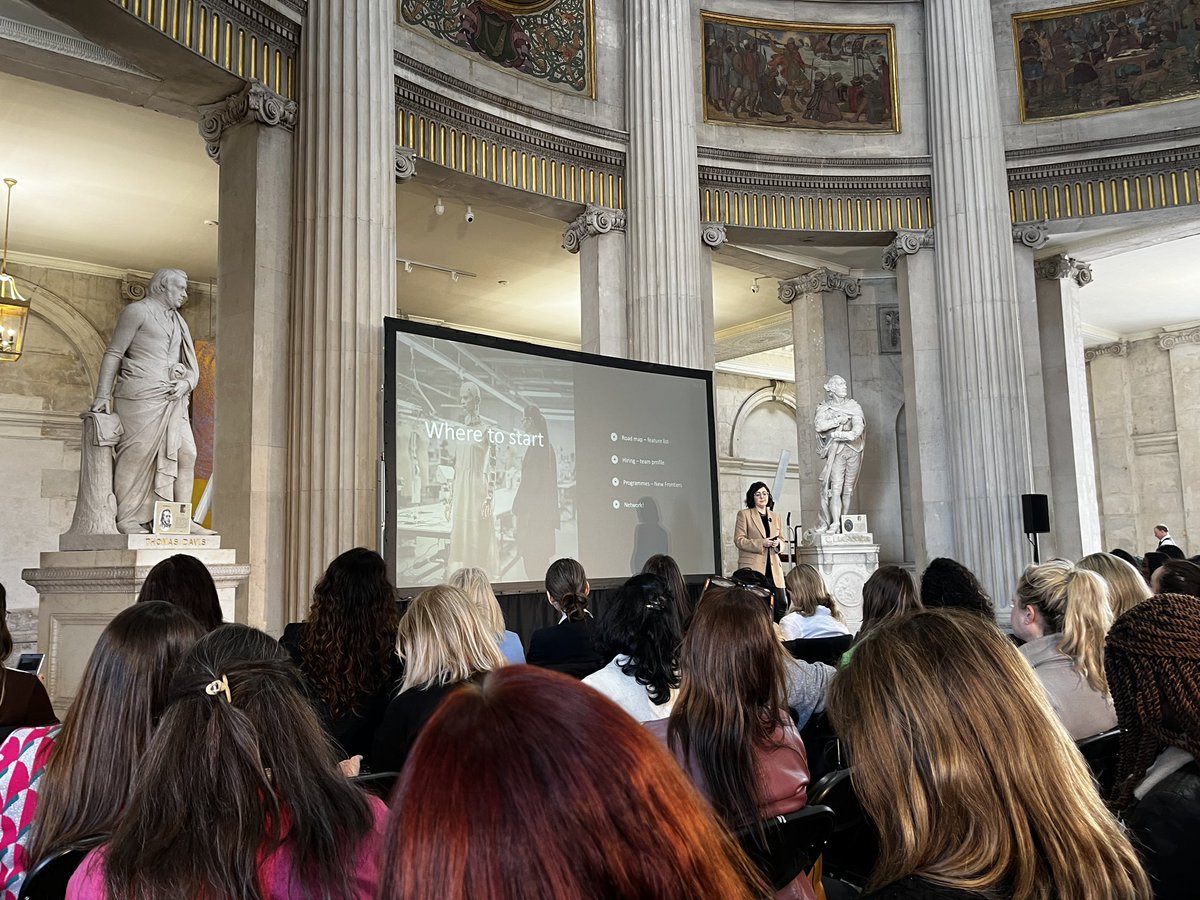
{"x": 455, "y": 274}
{"x": 754, "y": 283}
{"x": 14, "y": 309}
{"x": 408, "y": 265}
{"x": 439, "y": 207}
{"x": 470, "y": 215}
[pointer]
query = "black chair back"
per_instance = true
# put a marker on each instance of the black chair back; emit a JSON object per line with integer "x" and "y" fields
{"x": 378, "y": 783}
{"x": 853, "y": 848}
{"x": 826, "y": 650}
{"x": 1101, "y": 752}
{"x": 785, "y": 846}
{"x": 823, "y": 747}
{"x": 48, "y": 879}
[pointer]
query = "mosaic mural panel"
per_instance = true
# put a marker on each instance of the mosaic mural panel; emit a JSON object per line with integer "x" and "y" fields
{"x": 550, "y": 40}
{"x": 792, "y": 75}
{"x": 1078, "y": 60}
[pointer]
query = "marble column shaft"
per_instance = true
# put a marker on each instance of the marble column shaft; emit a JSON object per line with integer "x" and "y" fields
{"x": 345, "y": 283}
{"x": 598, "y": 237}
{"x": 665, "y": 319}
{"x": 1112, "y": 407}
{"x": 986, "y": 415}
{"x": 712, "y": 238}
{"x": 1184, "y": 349}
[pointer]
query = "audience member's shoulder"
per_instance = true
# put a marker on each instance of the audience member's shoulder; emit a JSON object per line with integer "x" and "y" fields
{"x": 920, "y": 889}
{"x": 293, "y": 633}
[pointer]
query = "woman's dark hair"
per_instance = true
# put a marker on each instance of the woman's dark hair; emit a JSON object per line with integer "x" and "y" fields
{"x": 186, "y": 582}
{"x": 1172, "y": 551}
{"x": 1151, "y": 561}
{"x": 732, "y": 698}
{"x": 753, "y": 489}
{"x": 104, "y": 737}
{"x": 350, "y": 637}
{"x": 947, "y": 583}
{"x": 229, "y": 778}
{"x": 6, "y": 640}
{"x": 888, "y": 592}
{"x": 641, "y": 622}
{"x": 1125, "y": 555}
{"x": 667, "y": 569}
{"x": 567, "y": 585}
{"x": 1179, "y": 576}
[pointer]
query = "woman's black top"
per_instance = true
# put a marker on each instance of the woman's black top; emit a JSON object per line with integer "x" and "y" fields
{"x": 403, "y": 722}
{"x": 566, "y": 647}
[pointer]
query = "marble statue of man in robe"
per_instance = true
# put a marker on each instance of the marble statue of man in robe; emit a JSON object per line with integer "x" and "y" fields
{"x": 840, "y": 426}
{"x": 148, "y": 373}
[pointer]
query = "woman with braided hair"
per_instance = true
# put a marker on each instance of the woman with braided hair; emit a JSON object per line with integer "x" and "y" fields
{"x": 1153, "y": 660}
{"x": 1062, "y": 613}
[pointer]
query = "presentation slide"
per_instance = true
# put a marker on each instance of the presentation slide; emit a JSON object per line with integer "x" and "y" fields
{"x": 506, "y": 456}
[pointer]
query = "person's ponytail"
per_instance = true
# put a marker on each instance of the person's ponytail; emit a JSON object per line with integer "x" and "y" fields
{"x": 573, "y": 606}
{"x": 1085, "y": 623}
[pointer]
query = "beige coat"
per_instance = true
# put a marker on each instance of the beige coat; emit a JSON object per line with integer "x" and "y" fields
{"x": 748, "y": 536}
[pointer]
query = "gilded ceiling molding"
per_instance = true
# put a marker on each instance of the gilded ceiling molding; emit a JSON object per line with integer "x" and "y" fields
{"x": 1117, "y": 348}
{"x": 906, "y": 243}
{"x": 1056, "y": 268}
{"x": 1033, "y": 235}
{"x": 1179, "y": 338}
{"x": 253, "y": 103}
{"x": 819, "y": 281}
{"x": 595, "y": 220}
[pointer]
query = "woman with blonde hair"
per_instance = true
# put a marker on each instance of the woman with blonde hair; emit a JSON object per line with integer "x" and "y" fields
{"x": 1062, "y": 613}
{"x": 812, "y": 611}
{"x": 964, "y": 743}
{"x": 475, "y": 584}
{"x": 1126, "y": 586}
{"x": 445, "y": 640}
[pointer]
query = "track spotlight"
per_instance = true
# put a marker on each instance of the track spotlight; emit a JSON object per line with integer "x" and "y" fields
{"x": 408, "y": 265}
{"x": 454, "y": 276}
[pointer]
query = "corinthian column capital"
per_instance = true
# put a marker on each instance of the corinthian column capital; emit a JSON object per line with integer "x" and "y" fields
{"x": 254, "y": 103}
{"x": 907, "y": 242}
{"x": 1056, "y": 268}
{"x": 593, "y": 221}
{"x": 817, "y": 281}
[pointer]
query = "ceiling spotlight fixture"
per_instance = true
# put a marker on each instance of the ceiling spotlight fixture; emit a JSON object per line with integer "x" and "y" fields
{"x": 211, "y": 223}
{"x": 439, "y": 207}
{"x": 454, "y": 276}
{"x": 470, "y": 216}
{"x": 754, "y": 284}
{"x": 408, "y": 265}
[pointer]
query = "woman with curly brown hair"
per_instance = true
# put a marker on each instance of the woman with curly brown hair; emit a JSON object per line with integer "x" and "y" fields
{"x": 1152, "y": 657}
{"x": 346, "y": 648}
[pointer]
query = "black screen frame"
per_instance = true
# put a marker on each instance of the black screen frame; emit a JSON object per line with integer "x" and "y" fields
{"x": 392, "y": 326}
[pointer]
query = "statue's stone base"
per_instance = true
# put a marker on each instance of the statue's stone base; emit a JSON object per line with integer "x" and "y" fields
{"x": 845, "y": 561}
{"x": 81, "y": 589}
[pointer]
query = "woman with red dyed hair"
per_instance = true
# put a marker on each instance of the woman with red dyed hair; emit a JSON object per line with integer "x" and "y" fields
{"x": 581, "y": 802}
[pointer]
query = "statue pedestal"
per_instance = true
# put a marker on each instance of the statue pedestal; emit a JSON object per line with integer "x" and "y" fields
{"x": 845, "y": 561}
{"x": 91, "y": 578}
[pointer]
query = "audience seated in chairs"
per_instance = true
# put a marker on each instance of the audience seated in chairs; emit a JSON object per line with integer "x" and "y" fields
{"x": 729, "y": 728}
{"x": 107, "y": 729}
{"x": 812, "y": 611}
{"x": 185, "y": 582}
{"x": 239, "y": 794}
{"x": 444, "y": 641}
{"x": 888, "y": 593}
{"x": 1176, "y": 576}
{"x": 568, "y": 647}
{"x": 1126, "y": 587}
{"x": 1062, "y": 613}
{"x": 23, "y": 699}
{"x": 530, "y": 786}
{"x": 975, "y": 786}
{"x": 1153, "y": 661}
{"x": 667, "y": 569}
{"x": 346, "y": 648}
{"x": 475, "y": 584}
{"x": 639, "y": 634}
{"x": 948, "y": 584}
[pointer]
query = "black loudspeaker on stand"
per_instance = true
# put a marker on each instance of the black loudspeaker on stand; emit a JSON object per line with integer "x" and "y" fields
{"x": 1035, "y": 519}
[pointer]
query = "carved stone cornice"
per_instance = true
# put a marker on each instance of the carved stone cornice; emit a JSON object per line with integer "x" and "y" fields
{"x": 1056, "y": 268}
{"x": 65, "y": 45}
{"x": 818, "y": 281}
{"x": 907, "y": 242}
{"x": 406, "y": 164}
{"x": 254, "y": 103}
{"x": 1117, "y": 348}
{"x": 593, "y": 221}
{"x": 712, "y": 234}
{"x": 1106, "y": 145}
{"x": 116, "y": 579}
{"x": 1179, "y": 338}
{"x": 1031, "y": 234}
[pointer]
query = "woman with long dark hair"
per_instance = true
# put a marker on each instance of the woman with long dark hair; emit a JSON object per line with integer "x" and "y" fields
{"x": 667, "y": 569}
{"x": 23, "y": 698}
{"x": 568, "y": 647}
{"x": 729, "y": 727}
{"x": 239, "y": 795}
{"x": 639, "y": 633}
{"x": 346, "y": 648}
{"x": 186, "y": 582}
{"x": 108, "y": 727}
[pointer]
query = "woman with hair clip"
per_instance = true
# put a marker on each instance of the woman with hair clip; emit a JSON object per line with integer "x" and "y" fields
{"x": 812, "y": 611}
{"x": 667, "y": 569}
{"x": 568, "y": 647}
{"x": 346, "y": 648}
{"x": 444, "y": 642}
{"x": 1062, "y": 613}
{"x": 1126, "y": 586}
{"x": 1153, "y": 661}
{"x": 639, "y": 633}
{"x": 239, "y": 794}
{"x": 580, "y": 803}
{"x": 729, "y": 728}
{"x": 103, "y": 741}
{"x": 975, "y": 788}
{"x": 475, "y": 584}
{"x": 186, "y": 582}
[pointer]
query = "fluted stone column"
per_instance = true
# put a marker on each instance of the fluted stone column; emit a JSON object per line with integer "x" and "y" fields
{"x": 1115, "y": 455}
{"x": 1184, "y": 349}
{"x": 598, "y": 237}
{"x": 986, "y": 414}
{"x": 712, "y": 239}
{"x": 665, "y": 318}
{"x": 250, "y": 134}
{"x": 820, "y": 348}
{"x": 1074, "y": 504}
{"x": 910, "y": 255}
{"x": 345, "y": 283}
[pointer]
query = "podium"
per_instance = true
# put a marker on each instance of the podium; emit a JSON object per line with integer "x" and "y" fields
{"x": 845, "y": 561}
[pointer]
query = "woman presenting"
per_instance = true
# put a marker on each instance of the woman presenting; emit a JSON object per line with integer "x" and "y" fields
{"x": 757, "y": 535}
